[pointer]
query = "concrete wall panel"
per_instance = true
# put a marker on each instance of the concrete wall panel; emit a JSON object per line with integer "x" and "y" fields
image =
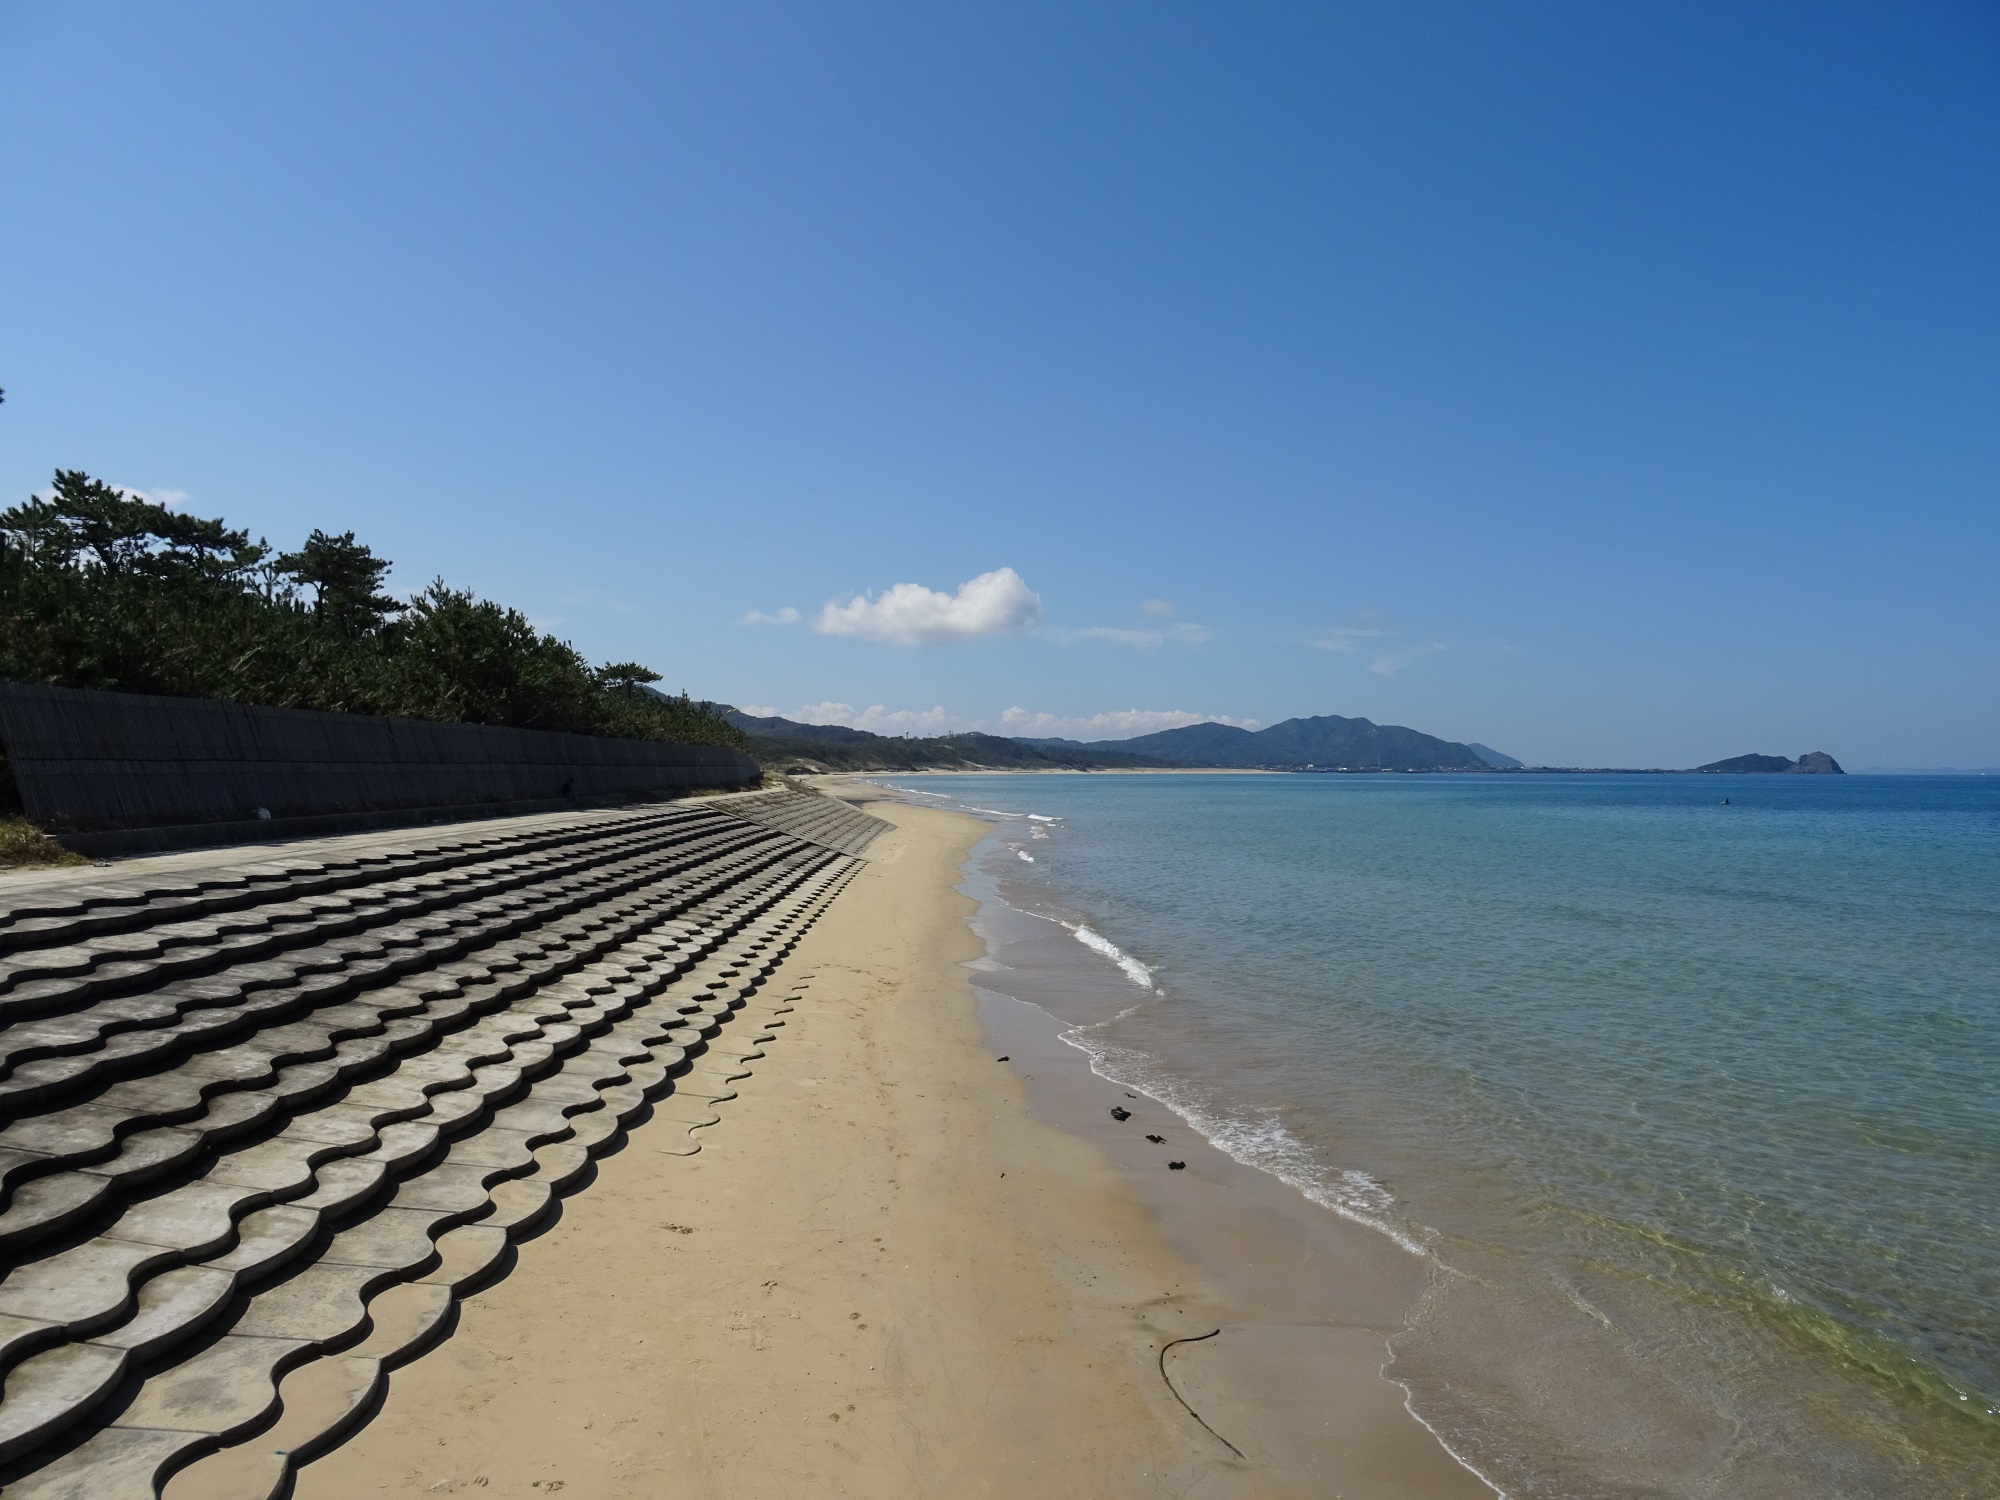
{"x": 91, "y": 760}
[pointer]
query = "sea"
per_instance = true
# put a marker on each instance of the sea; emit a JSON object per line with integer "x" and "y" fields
{"x": 1685, "y": 1088}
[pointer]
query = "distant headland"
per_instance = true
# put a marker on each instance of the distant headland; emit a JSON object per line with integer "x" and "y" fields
{"x": 1812, "y": 763}
{"x": 1325, "y": 743}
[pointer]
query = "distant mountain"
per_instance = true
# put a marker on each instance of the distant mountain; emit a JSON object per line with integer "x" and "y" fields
{"x": 1327, "y": 743}
{"x": 1812, "y": 763}
{"x": 1196, "y": 745}
{"x": 785, "y": 743}
{"x": 1493, "y": 757}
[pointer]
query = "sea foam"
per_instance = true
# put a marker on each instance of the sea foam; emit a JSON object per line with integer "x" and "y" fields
{"x": 1135, "y": 971}
{"x": 1257, "y": 1139}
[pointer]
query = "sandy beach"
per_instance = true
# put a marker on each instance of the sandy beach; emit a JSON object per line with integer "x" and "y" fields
{"x": 899, "y": 1267}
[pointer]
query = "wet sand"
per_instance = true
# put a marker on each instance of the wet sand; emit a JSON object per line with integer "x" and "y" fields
{"x": 898, "y": 1267}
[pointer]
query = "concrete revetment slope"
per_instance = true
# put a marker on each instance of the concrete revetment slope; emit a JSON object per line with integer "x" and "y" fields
{"x": 265, "y": 1118}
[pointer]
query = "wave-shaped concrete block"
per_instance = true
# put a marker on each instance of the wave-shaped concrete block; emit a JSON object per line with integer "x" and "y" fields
{"x": 42, "y": 1389}
{"x": 487, "y": 1079}
{"x": 118, "y": 1464}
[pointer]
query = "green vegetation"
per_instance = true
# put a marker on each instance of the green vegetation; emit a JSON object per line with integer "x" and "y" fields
{"x": 786, "y": 742}
{"x": 24, "y": 846}
{"x": 101, "y": 589}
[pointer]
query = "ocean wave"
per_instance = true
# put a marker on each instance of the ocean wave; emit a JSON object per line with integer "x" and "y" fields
{"x": 990, "y": 812}
{"x": 1135, "y": 971}
{"x": 1257, "y": 1140}
{"x": 1025, "y": 855}
{"x": 1260, "y": 1141}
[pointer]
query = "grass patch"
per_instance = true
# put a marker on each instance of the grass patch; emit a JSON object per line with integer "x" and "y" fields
{"x": 23, "y": 846}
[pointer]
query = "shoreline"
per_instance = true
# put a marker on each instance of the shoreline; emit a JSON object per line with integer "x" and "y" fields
{"x": 1307, "y": 1297}
{"x": 1280, "y": 981}
{"x": 1304, "y": 1303}
{"x": 887, "y": 1273}
{"x": 830, "y": 781}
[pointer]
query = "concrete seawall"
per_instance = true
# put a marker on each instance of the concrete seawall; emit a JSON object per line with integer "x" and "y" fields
{"x": 121, "y": 772}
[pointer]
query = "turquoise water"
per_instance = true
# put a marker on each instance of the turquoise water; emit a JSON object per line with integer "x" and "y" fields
{"x": 1694, "y": 1109}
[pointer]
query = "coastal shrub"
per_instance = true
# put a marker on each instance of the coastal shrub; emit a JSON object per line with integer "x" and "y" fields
{"x": 100, "y": 588}
{"x": 23, "y": 846}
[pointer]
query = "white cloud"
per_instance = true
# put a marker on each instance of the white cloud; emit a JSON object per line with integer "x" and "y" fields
{"x": 1365, "y": 625}
{"x": 879, "y": 719}
{"x": 1346, "y": 640}
{"x": 1394, "y": 662}
{"x": 1186, "y": 633}
{"x": 1374, "y": 634}
{"x": 996, "y": 603}
{"x": 1118, "y": 724}
{"x": 785, "y": 616}
{"x": 171, "y": 499}
{"x": 1140, "y": 638}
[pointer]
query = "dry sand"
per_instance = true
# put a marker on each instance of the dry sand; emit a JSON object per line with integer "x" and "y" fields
{"x": 887, "y": 1274}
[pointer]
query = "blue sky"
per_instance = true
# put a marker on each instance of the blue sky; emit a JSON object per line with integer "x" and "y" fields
{"x": 1606, "y": 383}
